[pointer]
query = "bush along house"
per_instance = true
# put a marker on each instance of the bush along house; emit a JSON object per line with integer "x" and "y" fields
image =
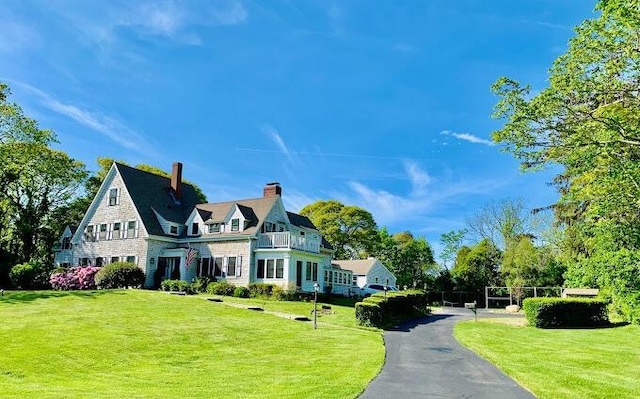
{"x": 157, "y": 223}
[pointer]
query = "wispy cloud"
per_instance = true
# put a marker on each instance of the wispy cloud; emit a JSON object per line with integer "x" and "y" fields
{"x": 417, "y": 206}
{"x": 468, "y": 137}
{"x": 17, "y": 35}
{"x": 110, "y": 127}
{"x": 419, "y": 178}
{"x": 277, "y": 139}
{"x": 105, "y": 24}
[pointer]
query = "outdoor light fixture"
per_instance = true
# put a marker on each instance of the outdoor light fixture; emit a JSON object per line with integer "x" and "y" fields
{"x": 152, "y": 261}
{"x": 315, "y": 305}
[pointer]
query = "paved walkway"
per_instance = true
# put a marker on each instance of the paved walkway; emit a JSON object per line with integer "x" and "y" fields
{"x": 425, "y": 361}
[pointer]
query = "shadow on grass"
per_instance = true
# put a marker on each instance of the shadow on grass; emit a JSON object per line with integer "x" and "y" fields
{"x": 407, "y": 326}
{"x": 15, "y": 297}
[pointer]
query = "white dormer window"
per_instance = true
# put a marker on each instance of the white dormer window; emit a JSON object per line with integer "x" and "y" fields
{"x": 173, "y": 230}
{"x": 114, "y": 196}
{"x": 214, "y": 228}
{"x": 195, "y": 229}
{"x": 235, "y": 224}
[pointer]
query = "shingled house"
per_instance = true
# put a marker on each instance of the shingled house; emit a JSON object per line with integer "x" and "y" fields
{"x": 157, "y": 223}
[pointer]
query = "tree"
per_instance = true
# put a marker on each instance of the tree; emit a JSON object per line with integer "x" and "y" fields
{"x": 35, "y": 181}
{"x": 410, "y": 259}
{"x": 350, "y": 230}
{"x": 451, "y": 243}
{"x": 501, "y": 222}
{"x": 587, "y": 121}
{"x": 477, "y": 266}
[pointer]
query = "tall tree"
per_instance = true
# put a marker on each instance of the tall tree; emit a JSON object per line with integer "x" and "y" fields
{"x": 501, "y": 222}
{"x": 351, "y": 230}
{"x": 587, "y": 121}
{"x": 35, "y": 180}
{"x": 451, "y": 242}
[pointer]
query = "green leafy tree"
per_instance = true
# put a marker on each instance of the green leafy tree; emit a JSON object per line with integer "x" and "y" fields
{"x": 477, "y": 266}
{"x": 351, "y": 230}
{"x": 451, "y": 243}
{"x": 587, "y": 121}
{"x": 35, "y": 181}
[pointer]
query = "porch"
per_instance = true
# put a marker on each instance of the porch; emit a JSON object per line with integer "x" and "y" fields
{"x": 286, "y": 240}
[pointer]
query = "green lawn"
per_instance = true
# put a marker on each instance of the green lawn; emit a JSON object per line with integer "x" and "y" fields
{"x": 561, "y": 363}
{"x": 145, "y": 344}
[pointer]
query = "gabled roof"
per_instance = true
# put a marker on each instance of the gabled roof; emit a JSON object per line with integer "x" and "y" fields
{"x": 255, "y": 210}
{"x": 359, "y": 266}
{"x": 151, "y": 192}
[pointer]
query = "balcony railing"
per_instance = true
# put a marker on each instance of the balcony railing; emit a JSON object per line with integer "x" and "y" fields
{"x": 286, "y": 240}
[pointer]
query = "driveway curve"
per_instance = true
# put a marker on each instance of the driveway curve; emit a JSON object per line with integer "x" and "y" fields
{"x": 423, "y": 360}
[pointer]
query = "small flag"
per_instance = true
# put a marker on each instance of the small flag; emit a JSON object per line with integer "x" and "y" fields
{"x": 191, "y": 253}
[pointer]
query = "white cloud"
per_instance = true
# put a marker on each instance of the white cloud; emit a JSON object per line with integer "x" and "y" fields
{"x": 419, "y": 178}
{"x": 106, "y": 125}
{"x": 419, "y": 206}
{"x": 103, "y": 23}
{"x": 275, "y": 136}
{"x": 468, "y": 137}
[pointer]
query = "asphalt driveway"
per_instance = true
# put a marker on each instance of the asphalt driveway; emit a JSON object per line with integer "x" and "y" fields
{"x": 423, "y": 360}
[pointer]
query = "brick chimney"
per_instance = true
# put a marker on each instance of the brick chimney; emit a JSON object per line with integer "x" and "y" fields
{"x": 272, "y": 189}
{"x": 176, "y": 179}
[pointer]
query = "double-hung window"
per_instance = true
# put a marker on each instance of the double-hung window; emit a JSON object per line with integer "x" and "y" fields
{"x": 117, "y": 230}
{"x": 235, "y": 224}
{"x": 279, "y": 268}
{"x": 114, "y": 197}
{"x": 214, "y": 228}
{"x": 231, "y": 266}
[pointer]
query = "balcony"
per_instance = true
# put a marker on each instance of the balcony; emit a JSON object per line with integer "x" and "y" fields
{"x": 285, "y": 240}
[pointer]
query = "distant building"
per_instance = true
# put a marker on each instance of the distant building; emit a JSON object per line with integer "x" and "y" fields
{"x": 366, "y": 271}
{"x": 157, "y": 223}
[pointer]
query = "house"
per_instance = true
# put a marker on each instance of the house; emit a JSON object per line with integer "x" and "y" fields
{"x": 366, "y": 271}
{"x": 157, "y": 223}
{"x": 63, "y": 248}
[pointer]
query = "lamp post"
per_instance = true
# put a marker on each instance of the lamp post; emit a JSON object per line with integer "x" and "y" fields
{"x": 315, "y": 305}
{"x": 385, "y": 291}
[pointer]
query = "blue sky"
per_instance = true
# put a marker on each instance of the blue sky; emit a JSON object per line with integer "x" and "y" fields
{"x": 381, "y": 104}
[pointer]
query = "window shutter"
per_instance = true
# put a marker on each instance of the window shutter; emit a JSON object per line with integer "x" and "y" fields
{"x": 136, "y": 233}
{"x": 225, "y": 265}
{"x": 118, "y": 196}
{"x": 109, "y": 231}
{"x": 239, "y": 266}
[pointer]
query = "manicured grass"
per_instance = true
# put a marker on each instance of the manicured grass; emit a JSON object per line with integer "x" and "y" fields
{"x": 145, "y": 344}
{"x": 561, "y": 363}
{"x": 344, "y": 316}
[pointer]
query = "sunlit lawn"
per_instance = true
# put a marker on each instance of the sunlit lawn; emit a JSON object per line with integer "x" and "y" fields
{"x": 145, "y": 344}
{"x": 561, "y": 363}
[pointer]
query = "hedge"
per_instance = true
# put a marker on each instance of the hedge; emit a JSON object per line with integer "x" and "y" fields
{"x": 565, "y": 312}
{"x": 380, "y": 311}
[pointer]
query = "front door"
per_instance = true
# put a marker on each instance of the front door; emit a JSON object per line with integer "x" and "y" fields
{"x": 299, "y": 274}
{"x": 171, "y": 266}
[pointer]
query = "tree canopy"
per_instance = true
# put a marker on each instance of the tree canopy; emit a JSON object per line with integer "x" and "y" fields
{"x": 351, "y": 230}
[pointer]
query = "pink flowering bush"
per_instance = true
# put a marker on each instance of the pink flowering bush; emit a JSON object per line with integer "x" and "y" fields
{"x": 75, "y": 278}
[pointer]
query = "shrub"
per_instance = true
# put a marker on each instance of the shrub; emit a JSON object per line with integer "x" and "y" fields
{"x": 241, "y": 292}
{"x": 379, "y": 311}
{"x": 221, "y": 288}
{"x": 565, "y": 312}
{"x": 285, "y": 294}
{"x": 75, "y": 278}
{"x": 261, "y": 290}
{"x": 120, "y": 275}
{"x": 201, "y": 283}
{"x": 30, "y": 276}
